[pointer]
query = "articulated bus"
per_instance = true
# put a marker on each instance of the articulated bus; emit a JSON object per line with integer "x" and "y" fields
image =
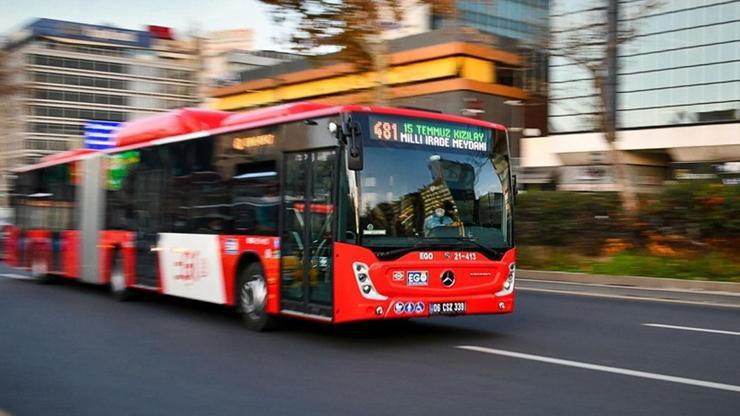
{"x": 327, "y": 213}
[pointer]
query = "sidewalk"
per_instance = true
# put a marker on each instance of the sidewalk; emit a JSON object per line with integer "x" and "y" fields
{"x": 724, "y": 294}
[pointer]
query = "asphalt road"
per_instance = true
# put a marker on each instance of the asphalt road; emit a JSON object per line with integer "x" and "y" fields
{"x": 69, "y": 349}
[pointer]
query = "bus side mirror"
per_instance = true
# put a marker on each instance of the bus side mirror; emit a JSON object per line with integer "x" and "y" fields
{"x": 353, "y": 135}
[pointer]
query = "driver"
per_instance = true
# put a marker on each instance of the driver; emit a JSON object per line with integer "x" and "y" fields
{"x": 439, "y": 218}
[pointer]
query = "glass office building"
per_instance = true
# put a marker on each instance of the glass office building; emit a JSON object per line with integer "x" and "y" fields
{"x": 516, "y": 19}
{"x": 678, "y": 97}
{"x": 683, "y": 68}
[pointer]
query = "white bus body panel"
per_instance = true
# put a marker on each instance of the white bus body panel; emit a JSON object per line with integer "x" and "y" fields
{"x": 191, "y": 266}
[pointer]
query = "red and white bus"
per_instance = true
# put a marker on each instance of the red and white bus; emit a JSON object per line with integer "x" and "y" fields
{"x": 328, "y": 213}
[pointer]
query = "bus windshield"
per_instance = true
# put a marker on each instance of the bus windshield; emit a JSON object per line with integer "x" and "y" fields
{"x": 419, "y": 195}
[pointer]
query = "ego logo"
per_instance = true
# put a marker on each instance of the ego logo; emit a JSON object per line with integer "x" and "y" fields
{"x": 189, "y": 266}
{"x": 420, "y": 278}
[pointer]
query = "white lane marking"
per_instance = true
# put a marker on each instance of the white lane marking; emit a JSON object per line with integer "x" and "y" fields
{"x": 16, "y": 276}
{"x": 624, "y": 297}
{"x": 604, "y": 368}
{"x": 636, "y": 288}
{"x": 690, "y": 328}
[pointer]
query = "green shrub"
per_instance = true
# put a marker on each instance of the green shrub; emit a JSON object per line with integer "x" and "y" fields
{"x": 687, "y": 230}
{"x": 580, "y": 220}
{"x": 697, "y": 210}
{"x": 701, "y": 212}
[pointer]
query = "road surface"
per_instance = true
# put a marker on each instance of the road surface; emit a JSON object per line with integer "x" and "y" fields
{"x": 69, "y": 349}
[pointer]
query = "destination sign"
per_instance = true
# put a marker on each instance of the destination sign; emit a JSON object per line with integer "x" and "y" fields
{"x": 423, "y": 132}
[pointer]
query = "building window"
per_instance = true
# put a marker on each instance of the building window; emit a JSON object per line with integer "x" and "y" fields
{"x": 78, "y": 113}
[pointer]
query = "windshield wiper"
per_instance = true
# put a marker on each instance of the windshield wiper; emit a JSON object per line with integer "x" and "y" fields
{"x": 400, "y": 251}
{"x": 461, "y": 242}
{"x": 441, "y": 243}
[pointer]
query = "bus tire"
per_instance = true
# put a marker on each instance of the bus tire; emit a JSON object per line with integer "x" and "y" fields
{"x": 118, "y": 279}
{"x": 251, "y": 292}
{"x": 40, "y": 269}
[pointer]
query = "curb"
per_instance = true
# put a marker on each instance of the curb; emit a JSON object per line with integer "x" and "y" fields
{"x": 632, "y": 281}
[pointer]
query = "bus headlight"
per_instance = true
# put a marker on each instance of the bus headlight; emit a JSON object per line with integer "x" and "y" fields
{"x": 364, "y": 283}
{"x": 508, "y": 286}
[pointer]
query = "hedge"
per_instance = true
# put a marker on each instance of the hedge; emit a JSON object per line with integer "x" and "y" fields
{"x": 682, "y": 217}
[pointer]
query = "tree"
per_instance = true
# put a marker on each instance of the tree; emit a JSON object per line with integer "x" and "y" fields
{"x": 583, "y": 39}
{"x": 351, "y": 30}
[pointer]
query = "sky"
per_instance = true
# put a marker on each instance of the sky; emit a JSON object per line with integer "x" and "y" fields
{"x": 183, "y": 15}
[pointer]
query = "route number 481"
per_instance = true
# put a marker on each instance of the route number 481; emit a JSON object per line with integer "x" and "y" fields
{"x": 385, "y": 130}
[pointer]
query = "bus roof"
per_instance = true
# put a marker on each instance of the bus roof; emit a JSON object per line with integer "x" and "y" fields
{"x": 271, "y": 113}
{"x": 306, "y": 110}
{"x": 169, "y": 124}
{"x": 191, "y": 120}
{"x": 56, "y": 159}
{"x": 409, "y": 112}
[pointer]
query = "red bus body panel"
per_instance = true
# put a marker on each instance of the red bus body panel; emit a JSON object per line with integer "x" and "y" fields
{"x": 477, "y": 282}
{"x": 264, "y": 248}
{"x": 71, "y": 253}
{"x": 109, "y": 242}
{"x": 11, "y": 246}
{"x": 37, "y": 242}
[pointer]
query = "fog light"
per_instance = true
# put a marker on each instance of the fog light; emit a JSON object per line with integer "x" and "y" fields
{"x": 501, "y": 306}
{"x": 379, "y": 310}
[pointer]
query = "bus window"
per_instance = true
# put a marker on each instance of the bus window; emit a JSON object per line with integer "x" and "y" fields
{"x": 255, "y": 198}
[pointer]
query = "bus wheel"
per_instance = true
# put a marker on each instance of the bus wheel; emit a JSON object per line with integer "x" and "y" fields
{"x": 252, "y": 298}
{"x": 40, "y": 270}
{"x": 118, "y": 279}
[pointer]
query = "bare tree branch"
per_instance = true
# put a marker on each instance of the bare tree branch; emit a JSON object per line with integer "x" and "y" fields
{"x": 581, "y": 39}
{"x": 351, "y": 28}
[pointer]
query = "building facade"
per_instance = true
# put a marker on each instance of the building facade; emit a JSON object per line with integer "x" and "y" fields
{"x": 524, "y": 20}
{"x": 217, "y": 48}
{"x": 449, "y": 70}
{"x": 69, "y": 73}
{"x": 678, "y": 98}
{"x": 226, "y": 68}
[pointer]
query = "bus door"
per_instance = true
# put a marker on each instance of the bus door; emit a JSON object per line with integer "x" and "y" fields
{"x": 307, "y": 232}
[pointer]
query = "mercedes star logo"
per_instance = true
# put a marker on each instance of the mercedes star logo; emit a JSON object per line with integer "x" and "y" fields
{"x": 448, "y": 278}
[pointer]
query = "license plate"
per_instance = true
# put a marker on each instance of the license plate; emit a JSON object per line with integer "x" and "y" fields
{"x": 447, "y": 308}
